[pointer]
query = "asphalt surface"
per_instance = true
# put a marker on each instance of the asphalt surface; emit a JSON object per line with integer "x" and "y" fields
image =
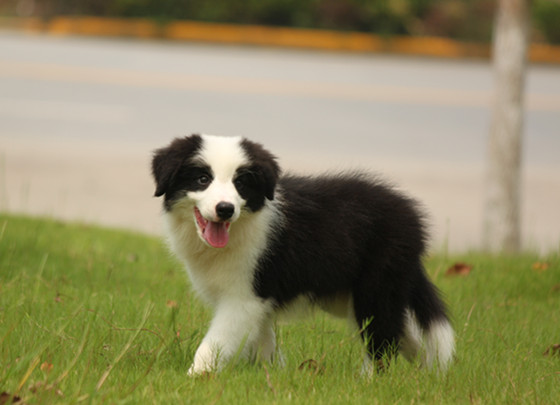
{"x": 79, "y": 118}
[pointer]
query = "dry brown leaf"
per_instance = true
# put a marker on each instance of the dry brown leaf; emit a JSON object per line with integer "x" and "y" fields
{"x": 459, "y": 269}
{"x": 552, "y": 350}
{"x": 171, "y": 304}
{"x": 540, "y": 267}
{"x": 46, "y": 367}
{"x": 311, "y": 365}
{"x": 6, "y": 398}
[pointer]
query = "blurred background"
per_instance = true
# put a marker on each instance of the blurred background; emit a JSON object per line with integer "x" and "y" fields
{"x": 469, "y": 20}
{"x": 81, "y": 114}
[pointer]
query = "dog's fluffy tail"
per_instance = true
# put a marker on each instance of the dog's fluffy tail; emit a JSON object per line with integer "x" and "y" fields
{"x": 428, "y": 332}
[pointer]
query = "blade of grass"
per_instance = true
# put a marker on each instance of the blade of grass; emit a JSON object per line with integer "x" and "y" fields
{"x": 105, "y": 375}
{"x": 4, "y": 224}
{"x": 25, "y": 377}
{"x": 39, "y": 276}
{"x": 39, "y": 352}
{"x": 79, "y": 352}
{"x": 156, "y": 356}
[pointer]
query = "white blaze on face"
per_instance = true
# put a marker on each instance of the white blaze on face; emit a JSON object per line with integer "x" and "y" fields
{"x": 224, "y": 155}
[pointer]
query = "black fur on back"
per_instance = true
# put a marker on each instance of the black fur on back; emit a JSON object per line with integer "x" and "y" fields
{"x": 351, "y": 234}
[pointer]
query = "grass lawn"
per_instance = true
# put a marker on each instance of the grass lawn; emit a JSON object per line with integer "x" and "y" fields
{"x": 90, "y": 315}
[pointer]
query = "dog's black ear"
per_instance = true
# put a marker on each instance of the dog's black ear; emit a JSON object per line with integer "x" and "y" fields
{"x": 264, "y": 163}
{"x": 270, "y": 172}
{"x": 163, "y": 169}
{"x": 167, "y": 161}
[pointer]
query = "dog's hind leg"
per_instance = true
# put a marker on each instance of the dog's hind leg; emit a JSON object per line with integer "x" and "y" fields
{"x": 427, "y": 334}
{"x": 380, "y": 318}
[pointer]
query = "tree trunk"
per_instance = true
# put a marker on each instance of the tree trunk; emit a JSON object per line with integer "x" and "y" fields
{"x": 503, "y": 176}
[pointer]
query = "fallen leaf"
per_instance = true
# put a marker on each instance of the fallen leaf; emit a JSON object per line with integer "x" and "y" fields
{"x": 540, "y": 267}
{"x": 312, "y": 365}
{"x": 552, "y": 350}
{"x": 46, "y": 367}
{"x": 171, "y": 304}
{"x": 556, "y": 287}
{"x": 6, "y": 398}
{"x": 459, "y": 269}
{"x": 309, "y": 363}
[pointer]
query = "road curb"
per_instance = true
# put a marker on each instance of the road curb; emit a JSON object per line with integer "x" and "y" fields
{"x": 267, "y": 36}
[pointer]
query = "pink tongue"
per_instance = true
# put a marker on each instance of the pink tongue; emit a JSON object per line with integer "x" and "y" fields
{"x": 216, "y": 234}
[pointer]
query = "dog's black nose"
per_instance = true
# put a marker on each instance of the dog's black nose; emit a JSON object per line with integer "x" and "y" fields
{"x": 225, "y": 210}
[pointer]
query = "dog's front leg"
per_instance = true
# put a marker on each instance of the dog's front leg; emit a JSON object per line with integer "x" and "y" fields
{"x": 235, "y": 330}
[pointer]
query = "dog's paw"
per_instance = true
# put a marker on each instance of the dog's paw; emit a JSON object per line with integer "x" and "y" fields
{"x": 198, "y": 371}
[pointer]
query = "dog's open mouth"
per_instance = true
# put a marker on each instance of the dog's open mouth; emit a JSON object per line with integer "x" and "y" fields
{"x": 216, "y": 234}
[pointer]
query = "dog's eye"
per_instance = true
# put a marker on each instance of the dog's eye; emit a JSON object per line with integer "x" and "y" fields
{"x": 203, "y": 180}
{"x": 241, "y": 181}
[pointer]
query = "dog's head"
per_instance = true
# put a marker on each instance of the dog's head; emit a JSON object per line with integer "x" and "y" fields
{"x": 216, "y": 178}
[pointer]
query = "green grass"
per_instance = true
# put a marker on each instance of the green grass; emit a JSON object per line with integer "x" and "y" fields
{"x": 91, "y": 315}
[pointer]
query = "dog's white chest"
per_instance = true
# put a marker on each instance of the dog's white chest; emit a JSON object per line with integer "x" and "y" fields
{"x": 216, "y": 273}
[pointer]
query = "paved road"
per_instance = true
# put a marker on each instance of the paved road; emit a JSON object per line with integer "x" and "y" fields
{"x": 79, "y": 118}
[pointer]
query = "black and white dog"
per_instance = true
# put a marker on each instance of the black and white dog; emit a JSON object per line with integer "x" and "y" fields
{"x": 256, "y": 244}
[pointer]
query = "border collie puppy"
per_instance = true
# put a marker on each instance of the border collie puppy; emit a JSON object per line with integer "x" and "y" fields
{"x": 257, "y": 244}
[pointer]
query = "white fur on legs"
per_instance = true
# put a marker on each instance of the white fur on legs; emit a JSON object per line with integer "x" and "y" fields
{"x": 236, "y": 329}
{"x": 436, "y": 344}
{"x": 267, "y": 350}
{"x": 367, "y": 366}
{"x": 266, "y": 344}
{"x": 440, "y": 344}
{"x": 411, "y": 342}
